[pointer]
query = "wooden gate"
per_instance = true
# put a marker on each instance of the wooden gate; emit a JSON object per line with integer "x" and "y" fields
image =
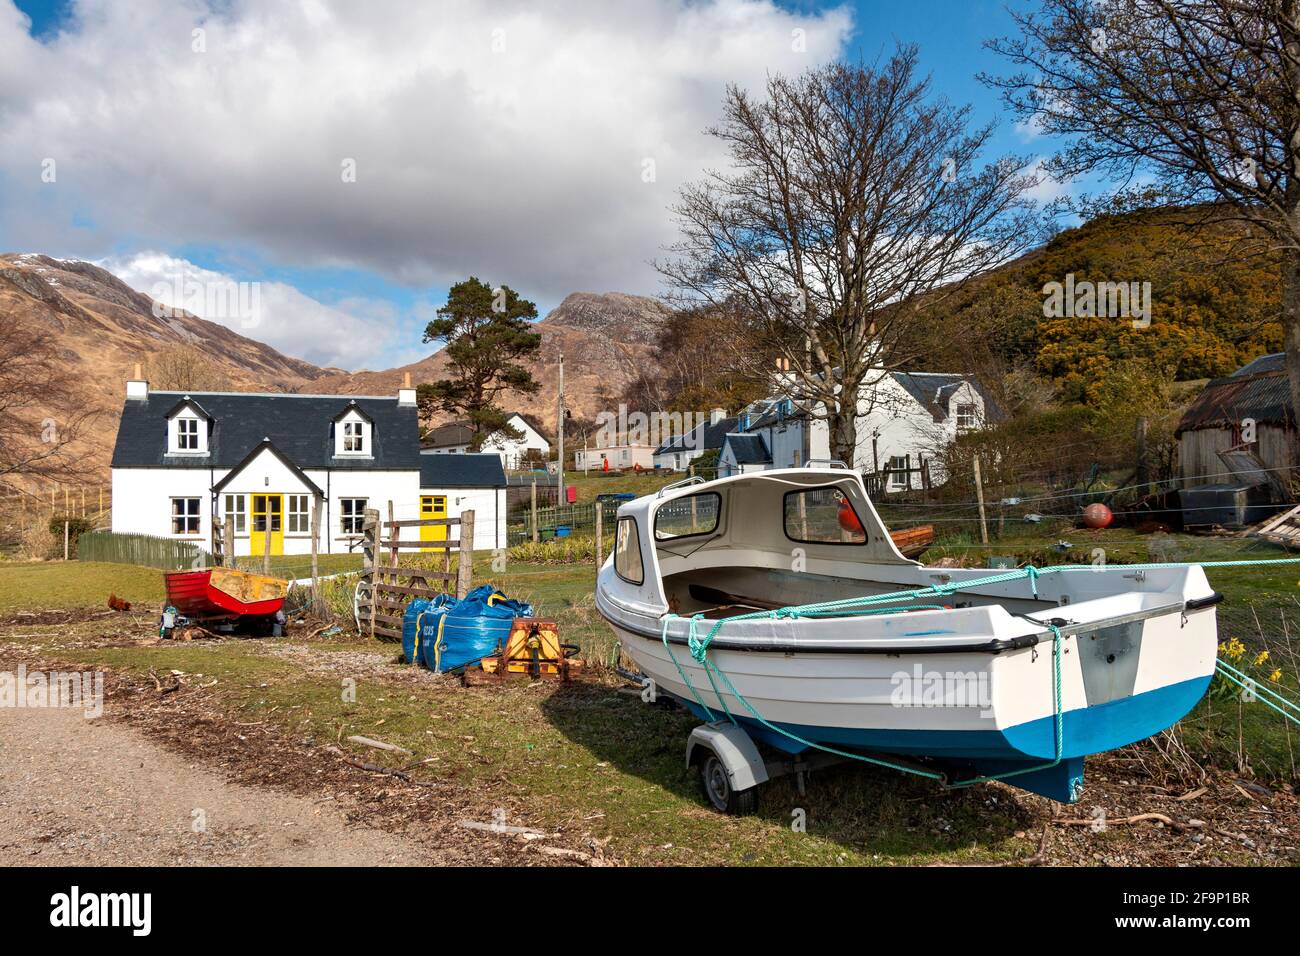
{"x": 387, "y": 586}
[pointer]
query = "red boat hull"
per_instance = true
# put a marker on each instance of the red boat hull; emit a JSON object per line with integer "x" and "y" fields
{"x": 192, "y": 594}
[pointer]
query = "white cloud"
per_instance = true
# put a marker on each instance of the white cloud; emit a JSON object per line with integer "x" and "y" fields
{"x": 351, "y": 334}
{"x": 505, "y": 140}
{"x": 1048, "y": 189}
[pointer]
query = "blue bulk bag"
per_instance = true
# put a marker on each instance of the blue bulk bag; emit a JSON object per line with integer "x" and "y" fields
{"x": 471, "y": 629}
{"x": 420, "y": 623}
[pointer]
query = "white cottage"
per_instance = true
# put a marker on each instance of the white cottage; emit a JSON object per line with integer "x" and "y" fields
{"x": 455, "y": 439}
{"x": 904, "y": 417}
{"x": 262, "y": 461}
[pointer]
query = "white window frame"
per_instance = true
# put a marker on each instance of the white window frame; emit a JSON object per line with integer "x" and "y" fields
{"x": 968, "y": 416}
{"x": 236, "y": 512}
{"x": 354, "y": 438}
{"x": 297, "y": 520}
{"x": 183, "y": 515}
{"x": 186, "y": 435}
{"x": 352, "y": 517}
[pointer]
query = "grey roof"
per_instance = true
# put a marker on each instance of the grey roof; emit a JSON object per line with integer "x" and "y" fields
{"x": 450, "y": 435}
{"x": 1265, "y": 363}
{"x": 748, "y": 449}
{"x": 461, "y": 471}
{"x": 704, "y": 437}
{"x": 934, "y": 391}
{"x": 300, "y": 427}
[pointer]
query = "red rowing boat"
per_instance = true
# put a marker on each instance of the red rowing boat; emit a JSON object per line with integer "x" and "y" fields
{"x": 214, "y": 594}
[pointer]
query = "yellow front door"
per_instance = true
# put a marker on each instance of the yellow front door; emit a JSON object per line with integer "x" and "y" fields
{"x": 433, "y": 506}
{"x": 268, "y": 513}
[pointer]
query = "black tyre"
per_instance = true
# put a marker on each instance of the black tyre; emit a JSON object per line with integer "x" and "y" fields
{"x": 717, "y": 787}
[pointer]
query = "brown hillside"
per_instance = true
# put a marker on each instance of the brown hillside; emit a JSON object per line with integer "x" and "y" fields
{"x": 103, "y": 328}
{"x": 606, "y": 340}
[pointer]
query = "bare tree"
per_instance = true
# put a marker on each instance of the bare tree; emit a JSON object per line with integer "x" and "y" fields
{"x": 183, "y": 368}
{"x": 852, "y": 195}
{"x": 41, "y": 411}
{"x": 1186, "y": 102}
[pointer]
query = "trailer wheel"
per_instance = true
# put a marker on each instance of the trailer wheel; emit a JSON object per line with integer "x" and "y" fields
{"x": 717, "y": 787}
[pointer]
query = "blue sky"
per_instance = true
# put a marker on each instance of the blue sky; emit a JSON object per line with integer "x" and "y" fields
{"x": 228, "y": 185}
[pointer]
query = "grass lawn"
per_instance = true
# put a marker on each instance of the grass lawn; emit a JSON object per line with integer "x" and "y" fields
{"x": 586, "y": 757}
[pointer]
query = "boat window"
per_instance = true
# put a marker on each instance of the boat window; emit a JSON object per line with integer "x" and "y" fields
{"x": 683, "y": 517}
{"x": 822, "y": 516}
{"x": 627, "y": 552}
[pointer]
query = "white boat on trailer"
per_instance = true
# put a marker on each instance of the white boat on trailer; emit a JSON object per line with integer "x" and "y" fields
{"x": 776, "y": 607}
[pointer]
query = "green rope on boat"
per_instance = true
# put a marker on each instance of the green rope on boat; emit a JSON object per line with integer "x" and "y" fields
{"x": 699, "y": 649}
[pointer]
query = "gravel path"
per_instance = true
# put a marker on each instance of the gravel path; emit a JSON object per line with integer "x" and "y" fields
{"x": 78, "y": 792}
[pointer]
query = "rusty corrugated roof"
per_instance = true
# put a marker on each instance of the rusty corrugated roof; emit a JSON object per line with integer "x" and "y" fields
{"x": 1258, "y": 390}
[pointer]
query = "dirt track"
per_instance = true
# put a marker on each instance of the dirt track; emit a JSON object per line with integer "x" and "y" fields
{"x": 89, "y": 792}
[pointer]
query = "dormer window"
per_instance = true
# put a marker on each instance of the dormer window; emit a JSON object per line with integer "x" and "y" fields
{"x": 187, "y": 429}
{"x": 353, "y": 434}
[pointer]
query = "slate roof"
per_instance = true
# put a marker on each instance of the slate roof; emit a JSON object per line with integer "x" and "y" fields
{"x": 300, "y": 427}
{"x": 455, "y": 434}
{"x": 1259, "y": 390}
{"x": 749, "y": 449}
{"x": 450, "y": 435}
{"x": 703, "y": 437}
{"x": 461, "y": 471}
{"x": 934, "y": 390}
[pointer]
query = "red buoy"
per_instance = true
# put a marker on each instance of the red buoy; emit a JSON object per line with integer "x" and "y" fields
{"x": 1097, "y": 515}
{"x": 849, "y": 518}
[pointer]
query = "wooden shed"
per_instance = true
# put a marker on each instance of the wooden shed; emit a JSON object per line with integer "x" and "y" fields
{"x": 1256, "y": 396}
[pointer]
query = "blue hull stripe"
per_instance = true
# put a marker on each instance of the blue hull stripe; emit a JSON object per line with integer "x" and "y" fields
{"x": 1088, "y": 730}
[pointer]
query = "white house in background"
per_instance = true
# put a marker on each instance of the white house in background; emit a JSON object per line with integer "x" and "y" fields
{"x": 678, "y": 453}
{"x": 624, "y": 457}
{"x": 905, "y": 417}
{"x": 743, "y": 452}
{"x": 262, "y": 461}
{"x": 455, "y": 439}
{"x": 453, "y": 484}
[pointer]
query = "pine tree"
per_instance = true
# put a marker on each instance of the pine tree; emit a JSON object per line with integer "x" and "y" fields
{"x": 487, "y": 334}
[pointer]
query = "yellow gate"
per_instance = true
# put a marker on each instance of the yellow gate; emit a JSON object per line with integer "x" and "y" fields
{"x": 268, "y": 512}
{"x": 433, "y": 506}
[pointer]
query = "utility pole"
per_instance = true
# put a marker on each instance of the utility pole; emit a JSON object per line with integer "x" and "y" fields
{"x": 559, "y": 491}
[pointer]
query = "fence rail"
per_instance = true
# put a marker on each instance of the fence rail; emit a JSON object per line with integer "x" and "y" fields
{"x": 142, "y": 549}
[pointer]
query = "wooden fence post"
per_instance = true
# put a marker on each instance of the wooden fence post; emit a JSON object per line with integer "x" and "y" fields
{"x": 317, "y": 501}
{"x": 266, "y": 542}
{"x": 979, "y": 497}
{"x": 370, "y": 556}
{"x": 465, "y": 568}
{"x": 229, "y": 531}
{"x": 534, "y": 511}
{"x": 218, "y": 542}
{"x": 65, "y": 539}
